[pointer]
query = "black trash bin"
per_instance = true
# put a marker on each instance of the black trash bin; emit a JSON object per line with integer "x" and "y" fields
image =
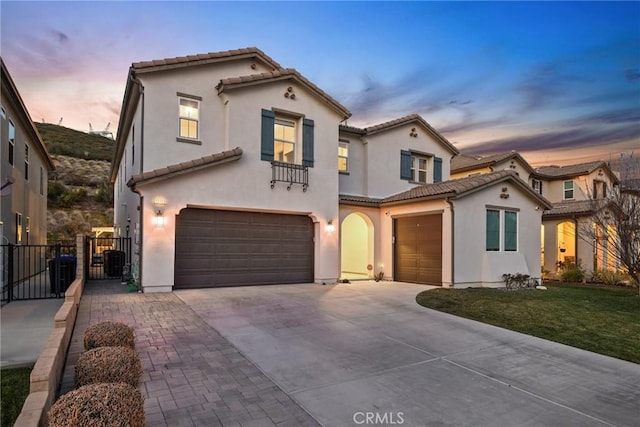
{"x": 113, "y": 263}
{"x": 67, "y": 264}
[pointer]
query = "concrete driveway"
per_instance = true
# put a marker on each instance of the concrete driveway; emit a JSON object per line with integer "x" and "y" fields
{"x": 366, "y": 354}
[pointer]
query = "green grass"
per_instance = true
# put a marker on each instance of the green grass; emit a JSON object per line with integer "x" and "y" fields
{"x": 15, "y": 389}
{"x": 598, "y": 319}
{"x": 73, "y": 143}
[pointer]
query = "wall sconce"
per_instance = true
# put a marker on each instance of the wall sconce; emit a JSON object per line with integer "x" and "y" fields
{"x": 159, "y": 219}
{"x": 330, "y": 228}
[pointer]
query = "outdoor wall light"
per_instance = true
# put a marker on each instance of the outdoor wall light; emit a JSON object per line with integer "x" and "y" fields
{"x": 159, "y": 219}
{"x": 330, "y": 228}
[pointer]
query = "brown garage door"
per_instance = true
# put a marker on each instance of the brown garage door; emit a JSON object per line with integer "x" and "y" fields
{"x": 418, "y": 249}
{"x": 230, "y": 248}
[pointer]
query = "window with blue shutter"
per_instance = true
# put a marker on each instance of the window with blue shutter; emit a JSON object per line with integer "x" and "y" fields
{"x": 405, "y": 165}
{"x": 266, "y": 146}
{"x": 437, "y": 169}
{"x": 307, "y": 143}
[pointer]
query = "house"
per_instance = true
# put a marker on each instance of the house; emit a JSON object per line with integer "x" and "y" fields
{"x": 232, "y": 170}
{"x": 465, "y": 165}
{"x": 24, "y": 168}
{"x": 577, "y": 193}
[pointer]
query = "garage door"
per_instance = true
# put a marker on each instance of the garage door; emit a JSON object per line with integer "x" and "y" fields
{"x": 230, "y": 248}
{"x": 418, "y": 249}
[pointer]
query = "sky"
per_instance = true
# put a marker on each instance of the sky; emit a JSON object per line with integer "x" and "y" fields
{"x": 557, "y": 81}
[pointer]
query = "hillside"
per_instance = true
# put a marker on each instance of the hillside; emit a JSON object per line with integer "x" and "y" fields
{"x": 79, "y": 196}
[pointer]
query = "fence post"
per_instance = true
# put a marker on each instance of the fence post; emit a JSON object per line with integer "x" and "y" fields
{"x": 10, "y": 271}
{"x": 57, "y": 265}
{"x": 81, "y": 256}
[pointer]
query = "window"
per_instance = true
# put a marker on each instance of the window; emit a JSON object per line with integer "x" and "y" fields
{"x": 501, "y": 230}
{"x": 27, "y": 230}
{"x": 493, "y": 230}
{"x": 189, "y": 118}
{"x": 26, "y": 162}
{"x": 343, "y": 156}
{"x": 419, "y": 169}
{"x": 18, "y": 228}
{"x": 599, "y": 189}
{"x": 41, "y": 181}
{"x": 537, "y": 185}
{"x": 284, "y": 141}
{"x": 12, "y": 142}
{"x": 568, "y": 190}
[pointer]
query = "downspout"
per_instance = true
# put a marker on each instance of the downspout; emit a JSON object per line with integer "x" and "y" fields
{"x": 453, "y": 241}
{"x": 140, "y": 197}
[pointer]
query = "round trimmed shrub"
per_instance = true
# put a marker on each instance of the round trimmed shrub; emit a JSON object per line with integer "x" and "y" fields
{"x": 108, "y": 365}
{"x": 109, "y": 334}
{"x": 107, "y": 404}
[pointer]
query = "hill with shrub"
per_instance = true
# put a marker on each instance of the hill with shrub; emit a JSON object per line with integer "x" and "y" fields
{"x": 79, "y": 195}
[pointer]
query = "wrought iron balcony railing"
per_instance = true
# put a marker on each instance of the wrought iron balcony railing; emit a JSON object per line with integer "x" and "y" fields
{"x": 289, "y": 173}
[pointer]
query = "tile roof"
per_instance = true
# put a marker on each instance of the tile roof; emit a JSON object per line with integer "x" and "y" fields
{"x": 463, "y": 162}
{"x": 282, "y": 74}
{"x": 570, "y": 208}
{"x": 352, "y": 129}
{"x": 454, "y": 188}
{"x": 185, "y": 167}
{"x": 408, "y": 119}
{"x": 572, "y": 170}
{"x": 204, "y": 58}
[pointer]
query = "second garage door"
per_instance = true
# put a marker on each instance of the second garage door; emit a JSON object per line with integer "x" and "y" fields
{"x": 232, "y": 248}
{"x": 418, "y": 249}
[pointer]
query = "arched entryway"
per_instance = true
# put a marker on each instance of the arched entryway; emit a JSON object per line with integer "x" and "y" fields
{"x": 356, "y": 247}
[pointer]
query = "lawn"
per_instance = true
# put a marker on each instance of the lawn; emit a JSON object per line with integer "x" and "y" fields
{"x": 15, "y": 389}
{"x": 598, "y": 319}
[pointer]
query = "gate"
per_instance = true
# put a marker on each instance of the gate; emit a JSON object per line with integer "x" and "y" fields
{"x": 36, "y": 271}
{"x": 108, "y": 258}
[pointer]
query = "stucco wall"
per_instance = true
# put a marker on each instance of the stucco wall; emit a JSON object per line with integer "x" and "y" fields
{"x": 583, "y": 186}
{"x": 474, "y": 265}
{"x": 354, "y": 181}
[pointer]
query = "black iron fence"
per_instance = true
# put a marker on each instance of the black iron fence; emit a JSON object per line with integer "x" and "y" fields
{"x": 289, "y": 173}
{"x": 36, "y": 271}
{"x": 107, "y": 257}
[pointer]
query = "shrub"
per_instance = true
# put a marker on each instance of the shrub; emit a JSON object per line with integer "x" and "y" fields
{"x": 108, "y": 365}
{"x": 572, "y": 273}
{"x": 105, "y": 404}
{"x": 109, "y": 334}
{"x": 608, "y": 277}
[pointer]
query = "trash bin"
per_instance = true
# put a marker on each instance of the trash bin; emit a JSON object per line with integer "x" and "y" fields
{"x": 67, "y": 264}
{"x": 113, "y": 263}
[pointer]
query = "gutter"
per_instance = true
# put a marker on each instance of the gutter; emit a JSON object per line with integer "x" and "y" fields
{"x": 453, "y": 241}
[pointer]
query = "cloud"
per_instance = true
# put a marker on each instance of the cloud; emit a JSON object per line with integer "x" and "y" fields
{"x": 632, "y": 74}
{"x": 60, "y": 36}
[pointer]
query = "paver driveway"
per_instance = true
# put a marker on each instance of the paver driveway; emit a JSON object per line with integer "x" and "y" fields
{"x": 365, "y": 353}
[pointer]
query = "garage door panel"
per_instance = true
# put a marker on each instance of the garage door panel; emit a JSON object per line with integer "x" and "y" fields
{"x": 228, "y": 248}
{"x": 418, "y": 249}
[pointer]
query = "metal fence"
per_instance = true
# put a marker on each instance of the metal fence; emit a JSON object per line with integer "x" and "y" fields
{"x": 107, "y": 257}
{"x": 36, "y": 271}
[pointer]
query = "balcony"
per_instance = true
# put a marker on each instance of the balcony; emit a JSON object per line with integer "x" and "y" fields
{"x": 289, "y": 173}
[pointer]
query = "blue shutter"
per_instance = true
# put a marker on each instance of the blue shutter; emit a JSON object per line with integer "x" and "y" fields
{"x": 266, "y": 147}
{"x": 437, "y": 169}
{"x": 307, "y": 143}
{"x": 405, "y": 165}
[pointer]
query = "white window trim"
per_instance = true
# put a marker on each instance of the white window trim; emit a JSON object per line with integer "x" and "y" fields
{"x": 26, "y": 162}
{"x": 12, "y": 143}
{"x": 197, "y": 100}
{"x": 297, "y": 132}
{"x": 536, "y": 184}
{"x": 343, "y": 144}
{"x": 573, "y": 190}
{"x": 415, "y": 170}
{"x": 502, "y": 230}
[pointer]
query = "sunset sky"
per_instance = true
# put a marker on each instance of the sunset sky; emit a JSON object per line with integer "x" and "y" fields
{"x": 559, "y": 82}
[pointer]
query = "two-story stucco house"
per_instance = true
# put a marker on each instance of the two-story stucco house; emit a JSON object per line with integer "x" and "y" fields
{"x": 576, "y": 192}
{"x": 24, "y": 168}
{"x": 232, "y": 170}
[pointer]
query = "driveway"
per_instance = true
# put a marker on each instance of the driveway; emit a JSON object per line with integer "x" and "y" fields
{"x": 366, "y": 354}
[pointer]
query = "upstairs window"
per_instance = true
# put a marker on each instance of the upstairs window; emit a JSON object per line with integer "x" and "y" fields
{"x": 418, "y": 169}
{"x": 284, "y": 141}
{"x": 568, "y": 187}
{"x": 343, "y": 156}
{"x": 537, "y": 185}
{"x": 12, "y": 142}
{"x": 599, "y": 189}
{"x": 18, "y": 228}
{"x": 189, "y": 116}
{"x": 26, "y": 162}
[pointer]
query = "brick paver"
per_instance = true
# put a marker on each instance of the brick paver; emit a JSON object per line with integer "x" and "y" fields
{"x": 192, "y": 375}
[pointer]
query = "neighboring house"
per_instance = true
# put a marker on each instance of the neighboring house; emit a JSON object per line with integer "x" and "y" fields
{"x": 577, "y": 192}
{"x": 24, "y": 168}
{"x": 231, "y": 170}
{"x": 464, "y": 165}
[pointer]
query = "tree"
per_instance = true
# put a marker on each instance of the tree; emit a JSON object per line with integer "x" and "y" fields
{"x": 616, "y": 219}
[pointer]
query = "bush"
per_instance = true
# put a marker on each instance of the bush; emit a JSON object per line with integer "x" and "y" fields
{"x": 109, "y": 334}
{"x": 106, "y": 404}
{"x": 608, "y": 277}
{"x": 108, "y": 365}
{"x": 572, "y": 273}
